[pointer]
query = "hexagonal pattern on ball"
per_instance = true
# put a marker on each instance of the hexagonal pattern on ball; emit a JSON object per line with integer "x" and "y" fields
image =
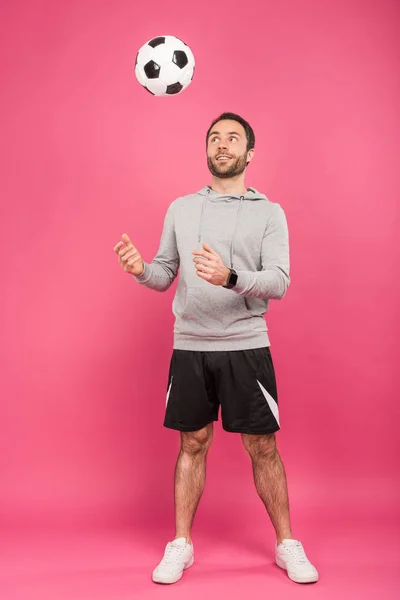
{"x": 141, "y": 77}
{"x": 174, "y": 43}
{"x": 170, "y": 73}
{"x": 162, "y": 54}
{"x": 144, "y": 55}
{"x": 156, "y": 87}
{"x": 186, "y": 76}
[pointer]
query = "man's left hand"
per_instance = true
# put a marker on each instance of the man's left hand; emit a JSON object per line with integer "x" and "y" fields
{"x": 209, "y": 266}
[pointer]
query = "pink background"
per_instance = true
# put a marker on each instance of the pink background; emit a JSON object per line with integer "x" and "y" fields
{"x": 87, "y": 154}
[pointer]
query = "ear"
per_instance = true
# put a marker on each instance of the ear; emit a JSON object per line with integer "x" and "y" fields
{"x": 250, "y": 154}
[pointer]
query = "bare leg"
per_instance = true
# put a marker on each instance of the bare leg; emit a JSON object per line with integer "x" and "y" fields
{"x": 190, "y": 476}
{"x": 270, "y": 480}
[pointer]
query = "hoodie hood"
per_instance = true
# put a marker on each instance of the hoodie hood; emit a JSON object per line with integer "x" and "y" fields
{"x": 209, "y": 195}
{"x": 251, "y": 194}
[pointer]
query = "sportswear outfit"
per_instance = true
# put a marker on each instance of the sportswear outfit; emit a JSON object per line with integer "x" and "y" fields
{"x": 221, "y": 354}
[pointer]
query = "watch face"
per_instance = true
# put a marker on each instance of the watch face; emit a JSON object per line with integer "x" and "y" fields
{"x": 233, "y": 278}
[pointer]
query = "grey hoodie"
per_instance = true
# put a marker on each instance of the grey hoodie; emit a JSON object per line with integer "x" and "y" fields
{"x": 250, "y": 234}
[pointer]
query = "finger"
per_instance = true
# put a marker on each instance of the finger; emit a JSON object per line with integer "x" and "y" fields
{"x": 205, "y": 276}
{"x": 129, "y": 254}
{"x": 201, "y": 259}
{"x": 127, "y": 249}
{"x": 204, "y": 268}
{"x": 203, "y": 253}
{"x": 126, "y": 239}
{"x": 209, "y": 249}
{"x": 118, "y": 246}
{"x": 124, "y": 259}
{"x": 133, "y": 261}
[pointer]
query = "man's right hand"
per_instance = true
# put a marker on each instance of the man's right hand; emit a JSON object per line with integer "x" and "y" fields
{"x": 128, "y": 257}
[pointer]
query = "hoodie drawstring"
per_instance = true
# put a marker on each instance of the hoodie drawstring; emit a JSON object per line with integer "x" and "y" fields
{"x": 203, "y": 209}
{"x": 236, "y": 228}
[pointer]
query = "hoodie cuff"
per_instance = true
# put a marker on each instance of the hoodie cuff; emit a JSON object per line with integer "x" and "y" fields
{"x": 144, "y": 276}
{"x": 243, "y": 281}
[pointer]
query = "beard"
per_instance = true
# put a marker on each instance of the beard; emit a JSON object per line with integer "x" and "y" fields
{"x": 236, "y": 167}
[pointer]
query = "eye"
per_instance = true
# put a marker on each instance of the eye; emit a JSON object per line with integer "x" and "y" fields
{"x": 233, "y": 139}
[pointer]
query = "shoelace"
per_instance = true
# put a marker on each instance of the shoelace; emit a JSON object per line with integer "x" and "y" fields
{"x": 172, "y": 554}
{"x": 296, "y": 551}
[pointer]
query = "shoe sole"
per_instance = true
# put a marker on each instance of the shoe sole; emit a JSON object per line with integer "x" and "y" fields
{"x": 312, "y": 579}
{"x": 168, "y": 580}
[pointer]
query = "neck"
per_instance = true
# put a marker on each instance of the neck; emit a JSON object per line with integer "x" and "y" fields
{"x": 233, "y": 185}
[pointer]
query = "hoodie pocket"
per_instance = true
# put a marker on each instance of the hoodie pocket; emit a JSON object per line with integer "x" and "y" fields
{"x": 211, "y": 311}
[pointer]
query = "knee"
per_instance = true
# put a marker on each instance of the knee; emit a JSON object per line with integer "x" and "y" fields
{"x": 260, "y": 446}
{"x": 196, "y": 442}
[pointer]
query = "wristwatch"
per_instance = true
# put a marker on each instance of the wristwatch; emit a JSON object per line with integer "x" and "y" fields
{"x": 232, "y": 279}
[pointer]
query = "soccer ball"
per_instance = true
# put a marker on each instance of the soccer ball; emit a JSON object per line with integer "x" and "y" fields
{"x": 164, "y": 66}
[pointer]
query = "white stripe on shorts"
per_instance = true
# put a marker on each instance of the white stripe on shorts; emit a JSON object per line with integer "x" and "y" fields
{"x": 169, "y": 390}
{"x": 271, "y": 402}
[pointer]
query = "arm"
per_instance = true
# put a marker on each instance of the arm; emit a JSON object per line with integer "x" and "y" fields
{"x": 273, "y": 280}
{"x": 161, "y": 272}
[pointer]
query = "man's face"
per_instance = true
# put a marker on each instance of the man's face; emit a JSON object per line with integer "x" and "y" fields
{"x": 226, "y": 149}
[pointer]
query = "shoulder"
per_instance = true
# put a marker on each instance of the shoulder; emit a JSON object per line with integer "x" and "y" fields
{"x": 268, "y": 208}
{"x": 273, "y": 214}
{"x": 188, "y": 198}
{"x": 183, "y": 201}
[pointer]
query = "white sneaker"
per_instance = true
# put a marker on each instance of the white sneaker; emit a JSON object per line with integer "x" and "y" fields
{"x": 178, "y": 556}
{"x": 290, "y": 556}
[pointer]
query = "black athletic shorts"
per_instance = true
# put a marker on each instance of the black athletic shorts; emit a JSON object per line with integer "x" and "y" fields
{"x": 241, "y": 381}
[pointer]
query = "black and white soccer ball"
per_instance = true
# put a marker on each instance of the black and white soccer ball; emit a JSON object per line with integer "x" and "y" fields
{"x": 164, "y": 66}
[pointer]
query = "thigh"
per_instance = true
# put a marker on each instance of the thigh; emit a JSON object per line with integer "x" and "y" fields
{"x": 191, "y": 401}
{"x": 247, "y": 391}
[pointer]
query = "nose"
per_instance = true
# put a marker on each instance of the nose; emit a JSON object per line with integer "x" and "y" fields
{"x": 222, "y": 145}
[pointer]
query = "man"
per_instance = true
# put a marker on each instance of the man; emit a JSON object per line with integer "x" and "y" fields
{"x": 231, "y": 245}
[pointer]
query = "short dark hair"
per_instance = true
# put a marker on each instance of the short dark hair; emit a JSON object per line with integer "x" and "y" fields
{"x": 227, "y": 116}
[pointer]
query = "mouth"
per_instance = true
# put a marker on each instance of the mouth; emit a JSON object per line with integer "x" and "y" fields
{"x": 223, "y": 158}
